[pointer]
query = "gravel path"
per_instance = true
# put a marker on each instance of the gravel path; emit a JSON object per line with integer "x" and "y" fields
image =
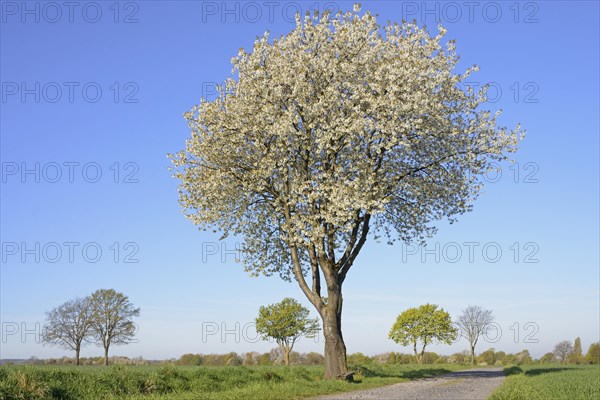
{"x": 472, "y": 384}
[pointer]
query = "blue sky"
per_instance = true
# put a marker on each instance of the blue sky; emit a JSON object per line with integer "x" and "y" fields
{"x": 92, "y": 100}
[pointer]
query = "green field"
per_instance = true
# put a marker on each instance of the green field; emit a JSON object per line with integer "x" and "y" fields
{"x": 177, "y": 382}
{"x": 550, "y": 382}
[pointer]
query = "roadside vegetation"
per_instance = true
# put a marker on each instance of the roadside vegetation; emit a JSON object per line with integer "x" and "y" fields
{"x": 181, "y": 382}
{"x": 256, "y": 375}
{"x": 105, "y": 318}
{"x": 556, "y": 382}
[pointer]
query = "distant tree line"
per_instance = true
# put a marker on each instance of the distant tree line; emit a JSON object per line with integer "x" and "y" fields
{"x": 105, "y": 318}
{"x": 90, "y": 361}
{"x": 488, "y": 357}
{"x": 568, "y": 353}
{"x": 276, "y": 356}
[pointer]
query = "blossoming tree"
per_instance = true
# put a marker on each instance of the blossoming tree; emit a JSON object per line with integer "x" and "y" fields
{"x": 339, "y": 130}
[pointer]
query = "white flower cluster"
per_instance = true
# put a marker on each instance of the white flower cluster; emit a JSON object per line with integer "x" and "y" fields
{"x": 340, "y": 124}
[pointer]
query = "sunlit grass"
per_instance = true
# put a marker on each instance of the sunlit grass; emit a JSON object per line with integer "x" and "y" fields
{"x": 176, "y": 382}
{"x": 550, "y": 382}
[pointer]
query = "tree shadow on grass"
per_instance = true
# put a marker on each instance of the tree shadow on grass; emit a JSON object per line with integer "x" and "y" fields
{"x": 425, "y": 373}
{"x": 535, "y": 371}
{"x": 539, "y": 371}
{"x": 512, "y": 371}
{"x": 368, "y": 372}
{"x": 477, "y": 373}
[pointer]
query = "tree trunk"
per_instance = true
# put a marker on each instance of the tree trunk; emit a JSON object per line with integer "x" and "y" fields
{"x": 472, "y": 355}
{"x": 335, "y": 349}
{"x": 76, "y": 360}
{"x": 286, "y": 356}
{"x": 105, "y": 355}
{"x": 416, "y": 354}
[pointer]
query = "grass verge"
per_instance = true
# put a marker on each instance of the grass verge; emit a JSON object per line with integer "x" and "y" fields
{"x": 550, "y": 382}
{"x": 181, "y": 383}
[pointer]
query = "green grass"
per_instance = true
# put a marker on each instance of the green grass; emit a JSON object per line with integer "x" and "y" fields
{"x": 175, "y": 382}
{"x": 550, "y": 382}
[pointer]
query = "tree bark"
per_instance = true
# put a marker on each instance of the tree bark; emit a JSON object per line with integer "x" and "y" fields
{"x": 106, "y": 355}
{"x": 77, "y": 349}
{"x": 286, "y": 356}
{"x": 472, "y": 355}
{"x": 416, "y": 353}
{"x": 322, "y": 259}
{"x": 335, "y": 349}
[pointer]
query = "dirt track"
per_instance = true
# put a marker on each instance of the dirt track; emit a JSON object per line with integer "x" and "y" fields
{"x": 473, "y": 384}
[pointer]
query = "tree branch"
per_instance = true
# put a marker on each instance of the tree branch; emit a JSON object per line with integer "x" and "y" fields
{"x": 316, "y": 274}
{"x": 350, "y": 260}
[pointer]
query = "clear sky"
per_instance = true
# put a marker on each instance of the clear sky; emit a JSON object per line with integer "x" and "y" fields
{"x": 92, "y": 100}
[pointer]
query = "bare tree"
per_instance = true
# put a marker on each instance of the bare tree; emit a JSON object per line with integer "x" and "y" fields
{"x": 112, "y": 313}
{"x": 562, "y": 350}
{"x": 69, "y": 325}
{"x": 474, "y": 322}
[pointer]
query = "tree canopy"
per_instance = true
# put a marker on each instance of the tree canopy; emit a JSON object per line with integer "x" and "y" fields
{"x": 562, "y": 350}
{"x": 426, "y": 324}
{"x": 593, "y": 353}
{"x": 332, "y": 123}
{"x": 286, "y": 322}
{"x": 112, "y": 322}
{"x": 576, "y": 356}
{"x": 69, "y": 325}
{"x": 472, "y": 323}
{"x": 104, "y": 317}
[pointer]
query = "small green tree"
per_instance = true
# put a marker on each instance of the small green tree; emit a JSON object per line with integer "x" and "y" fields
{"x": 426, "y": 324}
{"x": 249, "y": 358}
{"x": 547, "y": 358}
{"x": 190, "y": 359}
{"x": 286, "y": 322}
{"x": 314, "y": 358}
{"x": 509, "y": 359}
{"x": 457, "y": 358}
{"x": 523, "y": 357}
{"x": 488, "y": 357}
{"x": 359, "y": 359}
{"x": 264, "y": 359}
{"x": 499, "y": 357}
{"x": 576, "y": 356}
{"x": 232, "y": 358}
{"x": 593, "y": 354}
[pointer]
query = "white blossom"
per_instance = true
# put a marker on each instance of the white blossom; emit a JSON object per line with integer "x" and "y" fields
{"x": 338, "y": 125}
